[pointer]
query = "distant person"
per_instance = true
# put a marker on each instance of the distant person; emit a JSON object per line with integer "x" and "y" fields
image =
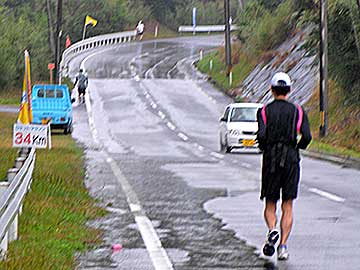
{"x": 140, "y": 29}
{"x": 283, "y": 130}
{"x": 82, "y": 82}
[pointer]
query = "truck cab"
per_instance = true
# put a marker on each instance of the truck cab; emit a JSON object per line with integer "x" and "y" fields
{"x": 52, "y": 103}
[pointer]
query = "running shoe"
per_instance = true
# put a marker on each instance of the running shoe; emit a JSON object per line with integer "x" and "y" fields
{"x": 271, "y": 240}
{"x": 283, "y": 253}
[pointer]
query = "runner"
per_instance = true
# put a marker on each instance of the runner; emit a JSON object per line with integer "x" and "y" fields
{"x": 283, "y": 130}
{"x": 82, "y": 82}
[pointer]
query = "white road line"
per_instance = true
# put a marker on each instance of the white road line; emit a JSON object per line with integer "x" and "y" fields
{"x": 153, "y": 105}
{"x": 217, "y": 155}
{"x": 157, "y": 253}
{"x": 327, "y": 195}
{"x": 183, "y": 136}
{"x": 161, "y": 114}
{"x": 91, "y": 119}
{"x": 171, "y": 126}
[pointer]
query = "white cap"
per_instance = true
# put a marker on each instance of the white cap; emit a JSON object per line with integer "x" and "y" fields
{"x": 280, "y": 78}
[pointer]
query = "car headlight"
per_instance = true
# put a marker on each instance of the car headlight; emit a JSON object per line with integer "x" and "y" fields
{"x": 234, "y": 132}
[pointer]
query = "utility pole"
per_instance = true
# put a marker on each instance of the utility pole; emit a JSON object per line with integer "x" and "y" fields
{"x": 50, "y": 27}
{"x": 324, "y": 86}
{"x": 58, "y": 36}
{"x": 227, "y": 37}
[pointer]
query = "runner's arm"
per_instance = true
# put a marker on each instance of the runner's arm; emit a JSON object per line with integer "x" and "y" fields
{"x": 261, "y": 135}
{"x": 305, "y": 133}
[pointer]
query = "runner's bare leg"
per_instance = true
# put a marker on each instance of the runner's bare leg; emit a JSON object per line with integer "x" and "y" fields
{"x": 270, "y": 214}
{"x": 286, "y": 220}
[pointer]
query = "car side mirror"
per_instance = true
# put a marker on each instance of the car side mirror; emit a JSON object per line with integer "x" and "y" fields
{"x": 223, "y": 119}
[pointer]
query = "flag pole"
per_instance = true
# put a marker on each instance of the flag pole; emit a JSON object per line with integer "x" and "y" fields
{"x": 84, "y": 31}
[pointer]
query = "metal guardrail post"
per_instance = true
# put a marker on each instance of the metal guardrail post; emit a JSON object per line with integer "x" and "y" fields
{"x": 11, "y": 173}
{"x": 19, "y": 161}
{"x": 24, "y": 152}
{"x": 4, "y": 243}
{"x": 4, "y": 246}
{"x": 13, "y": 229}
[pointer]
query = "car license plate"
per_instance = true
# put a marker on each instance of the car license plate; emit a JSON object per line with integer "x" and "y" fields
{"x": 248, "y": 143}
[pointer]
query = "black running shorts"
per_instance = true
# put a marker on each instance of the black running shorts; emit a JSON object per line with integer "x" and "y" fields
{"x": 284, "y": 180}
{"x": 81, "y": 90}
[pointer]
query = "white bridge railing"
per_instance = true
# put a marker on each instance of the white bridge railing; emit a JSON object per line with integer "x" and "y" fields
{"x": 205, "y": 28}
{"x": 12, "y": 193}
{"x": 94, "y": 42}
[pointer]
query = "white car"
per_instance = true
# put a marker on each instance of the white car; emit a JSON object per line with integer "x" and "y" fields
{"x": 238, "y": 126}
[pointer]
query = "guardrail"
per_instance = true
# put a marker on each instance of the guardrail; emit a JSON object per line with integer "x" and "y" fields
{"x": 12, "y": 193}
{"x": 94, "y": 42}
{"x": 205, "y": 28}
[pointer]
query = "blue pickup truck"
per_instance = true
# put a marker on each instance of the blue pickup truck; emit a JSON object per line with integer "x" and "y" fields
{"x": 52, "y": 102}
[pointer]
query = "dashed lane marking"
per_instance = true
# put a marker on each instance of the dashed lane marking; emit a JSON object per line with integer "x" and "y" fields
{"x": 327, "y": 195}
{"x": 171, "y": 126}
{"x": 161, "y": 114}
{"x": 183, "y": 136}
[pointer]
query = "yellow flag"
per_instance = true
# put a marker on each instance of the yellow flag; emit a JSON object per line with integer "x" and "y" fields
{"x": 25, "y": 112}
{"x": 90, "y": 20}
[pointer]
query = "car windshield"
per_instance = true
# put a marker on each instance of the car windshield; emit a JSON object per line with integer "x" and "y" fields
{"x": 243, "y": 115}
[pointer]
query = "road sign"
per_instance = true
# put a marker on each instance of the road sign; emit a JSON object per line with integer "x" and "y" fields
{"x": 51, "y": 66}
{"x": 30, "y": 136}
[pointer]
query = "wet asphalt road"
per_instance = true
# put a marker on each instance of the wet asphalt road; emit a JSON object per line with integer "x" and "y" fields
{"x": 157, "y": 119}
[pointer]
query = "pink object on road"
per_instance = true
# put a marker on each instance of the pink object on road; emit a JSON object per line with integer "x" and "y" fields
{"x": 116, "y": 247}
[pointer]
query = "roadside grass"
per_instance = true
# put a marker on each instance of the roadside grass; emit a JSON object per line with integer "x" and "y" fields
{"x": 10, "y": 97}
{"x": 242, "y": 67}
{"x": 52, "y": 227}
{"x": 344, "y": 124}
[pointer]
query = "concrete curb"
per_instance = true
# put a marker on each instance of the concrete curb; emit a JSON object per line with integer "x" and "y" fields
{"x": 348, "y": 162}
